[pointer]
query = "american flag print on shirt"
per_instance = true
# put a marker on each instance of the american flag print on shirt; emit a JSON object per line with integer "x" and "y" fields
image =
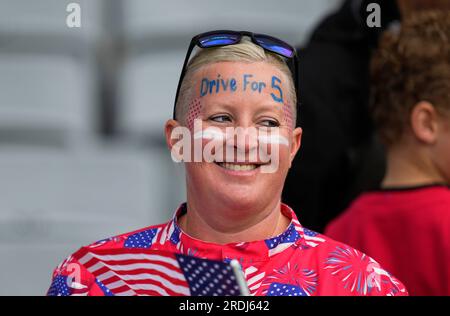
{"x": 133, "y": 271}
{"x": 164, "y": 260}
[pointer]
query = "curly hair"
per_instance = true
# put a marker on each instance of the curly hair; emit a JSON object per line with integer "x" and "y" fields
{"x": 412, "y": 64}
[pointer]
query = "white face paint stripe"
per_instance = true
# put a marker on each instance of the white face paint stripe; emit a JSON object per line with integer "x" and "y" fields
{"x": 212, "y": 133}
{"x": 273, "y": 139}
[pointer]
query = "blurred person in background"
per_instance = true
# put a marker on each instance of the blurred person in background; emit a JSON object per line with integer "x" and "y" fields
{"x": 233, "y": 208}
{"x": 405, "y": 225}
{"x": 341, "y": 157}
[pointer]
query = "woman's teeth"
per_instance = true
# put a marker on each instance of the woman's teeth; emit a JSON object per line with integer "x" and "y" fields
{"x": 237, "y": 167}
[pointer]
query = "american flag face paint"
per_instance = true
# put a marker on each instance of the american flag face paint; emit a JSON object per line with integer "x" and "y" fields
{"x": 194, "y": 112}
{"x": 288, "y": 115}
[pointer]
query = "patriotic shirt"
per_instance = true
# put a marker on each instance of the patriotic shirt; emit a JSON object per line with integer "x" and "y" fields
{"x": 298, "y": 262}
{"x": 406, "y": 230}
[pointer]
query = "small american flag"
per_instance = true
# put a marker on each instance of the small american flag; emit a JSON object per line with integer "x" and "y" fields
{"x": 135, "y": 271}
{"x": 63, "y": 285}
{"x": 280, "y": 289}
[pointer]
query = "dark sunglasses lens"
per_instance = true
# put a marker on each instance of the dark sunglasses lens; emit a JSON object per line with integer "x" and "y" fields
{"x": 218, "y": 40}
{"x": 275, "y": 46}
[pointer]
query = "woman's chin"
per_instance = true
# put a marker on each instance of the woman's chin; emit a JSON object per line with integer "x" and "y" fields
{"x": 240, "y": 199}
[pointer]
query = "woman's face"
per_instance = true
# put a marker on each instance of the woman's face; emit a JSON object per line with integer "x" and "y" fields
{"x": 252, "y": 97}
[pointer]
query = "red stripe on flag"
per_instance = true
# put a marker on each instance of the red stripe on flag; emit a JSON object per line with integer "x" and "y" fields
{"x": 145, "y": 272}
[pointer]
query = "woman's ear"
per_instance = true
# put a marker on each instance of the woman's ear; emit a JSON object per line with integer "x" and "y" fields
{"x": 168, "y": 130}
{"x": 424, "y": 122}
{"x": 296, "y": 142}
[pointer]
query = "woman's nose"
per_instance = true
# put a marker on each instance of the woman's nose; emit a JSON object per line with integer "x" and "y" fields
{"x": 246, "y": 138}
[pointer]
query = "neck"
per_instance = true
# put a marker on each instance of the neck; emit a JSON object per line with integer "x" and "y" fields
{"x": 410, "y": 166}
{"x": 232, "y": 225}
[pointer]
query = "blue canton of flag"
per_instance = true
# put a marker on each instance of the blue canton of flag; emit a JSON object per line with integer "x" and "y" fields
{"x": 289, "y": 236}
{"x": 280, "y": 289}
{"x": 59, "y": 287}
{"x": 142, "y": 239}
{"x": 100, "y": 242}
{"x": 208, "y": 278}
{"x": 310, "y": 233}
{"x": 104, "y": 289}
{"x": 175, "y": 237}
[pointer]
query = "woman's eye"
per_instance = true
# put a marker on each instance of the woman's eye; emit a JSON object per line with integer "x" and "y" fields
{"x": 270, "y": 123}
{"x": 221, "y": 118}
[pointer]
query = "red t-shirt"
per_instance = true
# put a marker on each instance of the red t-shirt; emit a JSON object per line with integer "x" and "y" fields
{"x": 406, "y": 230}
{"x": 298, "y": 262}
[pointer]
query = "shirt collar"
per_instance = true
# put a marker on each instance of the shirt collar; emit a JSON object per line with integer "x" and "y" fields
{"x": 245, "y": 252}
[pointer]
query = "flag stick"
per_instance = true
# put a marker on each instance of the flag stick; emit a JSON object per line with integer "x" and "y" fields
{"x": 240, "y": 277}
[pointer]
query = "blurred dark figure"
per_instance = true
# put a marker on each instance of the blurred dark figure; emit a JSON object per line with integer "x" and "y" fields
{"x": 404, "y": 225}
{"x": 333, "y": 166}
{"x": 340, "y": 156}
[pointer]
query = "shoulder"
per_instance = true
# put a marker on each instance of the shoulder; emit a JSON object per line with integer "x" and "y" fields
{"x": 71, "y": 276}
{"x": 441, "y": 197}
{"x": 344, "y": 270}
{"x": 140, "y": 238}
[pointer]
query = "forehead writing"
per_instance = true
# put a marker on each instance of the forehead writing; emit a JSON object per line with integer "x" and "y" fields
{"x": 246, "y": 83}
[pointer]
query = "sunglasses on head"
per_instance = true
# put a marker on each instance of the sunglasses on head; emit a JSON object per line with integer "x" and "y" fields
{"x": 226, "y": 37}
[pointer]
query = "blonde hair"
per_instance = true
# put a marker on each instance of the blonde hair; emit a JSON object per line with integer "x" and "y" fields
{"x": 245, "y": 51}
